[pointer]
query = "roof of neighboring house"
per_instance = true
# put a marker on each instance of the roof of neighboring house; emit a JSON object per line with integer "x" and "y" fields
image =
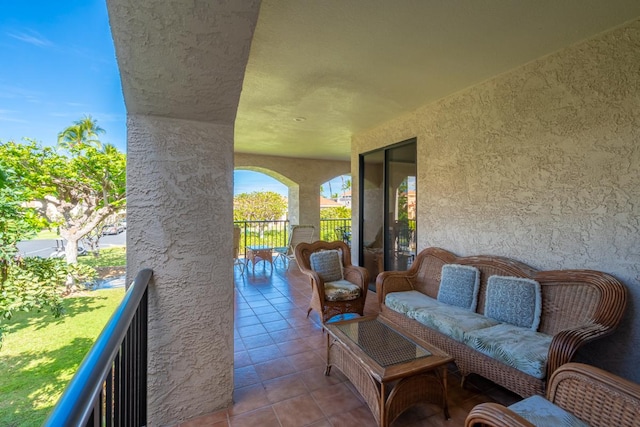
{"x": 328, "y": 203}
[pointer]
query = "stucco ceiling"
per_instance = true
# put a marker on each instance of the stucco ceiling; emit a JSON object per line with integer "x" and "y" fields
{"x": 321, "y": 70}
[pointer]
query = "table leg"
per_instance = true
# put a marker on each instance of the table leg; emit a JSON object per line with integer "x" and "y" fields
{"x": 445, "y": 403}
{"x": 327, "y": 370}
{"x": 384, "y": 421}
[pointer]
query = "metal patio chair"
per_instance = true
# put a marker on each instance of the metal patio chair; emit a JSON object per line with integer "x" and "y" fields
{"x": 298, "y": 234}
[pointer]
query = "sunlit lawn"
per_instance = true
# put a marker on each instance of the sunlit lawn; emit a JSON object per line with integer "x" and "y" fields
{"x": 109, "y": 257}
{"x": 40, "y": 354}
{"x": 47, "y": 234}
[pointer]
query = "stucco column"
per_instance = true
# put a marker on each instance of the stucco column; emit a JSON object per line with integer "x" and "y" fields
{"x": 309, "y": 204}
{"x": 293, "y": 214}
{"x": 179, "y": 208}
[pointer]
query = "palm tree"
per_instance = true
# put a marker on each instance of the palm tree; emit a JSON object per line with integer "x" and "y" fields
{"x": 83, "y": 132}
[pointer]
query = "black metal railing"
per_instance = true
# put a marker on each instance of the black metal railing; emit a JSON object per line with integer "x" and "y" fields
{"x": 263, "y": 233}
{"x": 336, "y": 229}
{"x": 276, "y": 233}
{"x": 110, "y": 386}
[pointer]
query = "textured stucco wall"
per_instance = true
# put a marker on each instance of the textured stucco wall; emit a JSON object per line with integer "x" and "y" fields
{"x": 180, "y": 182}
{"x": 541, "y": 164}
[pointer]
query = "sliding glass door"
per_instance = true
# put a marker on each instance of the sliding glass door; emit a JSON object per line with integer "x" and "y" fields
{"x": 388, "y": 208}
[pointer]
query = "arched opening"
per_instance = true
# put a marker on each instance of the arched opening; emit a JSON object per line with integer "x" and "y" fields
{"x": 335, "y": 209}
{"x": 260, "y": 212}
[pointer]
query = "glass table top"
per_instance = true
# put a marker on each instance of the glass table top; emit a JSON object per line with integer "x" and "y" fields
{"x": 384, "y": 345}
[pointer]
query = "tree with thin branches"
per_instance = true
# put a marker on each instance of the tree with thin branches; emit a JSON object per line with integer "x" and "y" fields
{"x": 76, "y": 188}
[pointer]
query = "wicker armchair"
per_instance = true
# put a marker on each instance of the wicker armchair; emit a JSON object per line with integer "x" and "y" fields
{"x": 337, "y": 286}
{"x": 594, "y": 396}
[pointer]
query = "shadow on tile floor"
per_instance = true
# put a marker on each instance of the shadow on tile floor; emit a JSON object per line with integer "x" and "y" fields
{"x": 279, "y": 363}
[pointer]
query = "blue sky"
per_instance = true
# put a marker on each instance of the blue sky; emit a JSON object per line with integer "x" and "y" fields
{"x": 248, "y": 181}
{"x": 58, "y": 65}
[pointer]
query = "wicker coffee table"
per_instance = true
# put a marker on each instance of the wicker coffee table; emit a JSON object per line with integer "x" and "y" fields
{"x": 391, "y": 371}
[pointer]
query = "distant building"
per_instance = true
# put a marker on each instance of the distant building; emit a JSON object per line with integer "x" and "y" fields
{"x": 329, "y": 203}
{"x": 345, "y": 198}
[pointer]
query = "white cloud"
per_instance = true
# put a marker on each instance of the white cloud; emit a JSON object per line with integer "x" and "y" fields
{"x": 5, "y": 116}
{"x": 30, "y": 37}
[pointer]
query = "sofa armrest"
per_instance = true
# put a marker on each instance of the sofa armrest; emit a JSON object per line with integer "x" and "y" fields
{"x": 494, "y": 414}
{"x": 393, "y": 281}
{"x": 584, "y": 390}
{"x": 565, "y": 344}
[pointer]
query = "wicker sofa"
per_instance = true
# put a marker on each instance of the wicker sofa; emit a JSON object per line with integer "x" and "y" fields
{"x": 593, "y": 396}
{"x": 575, "y": 307}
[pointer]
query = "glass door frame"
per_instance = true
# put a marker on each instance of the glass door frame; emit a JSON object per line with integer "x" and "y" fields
{"x": 386, "y": 199}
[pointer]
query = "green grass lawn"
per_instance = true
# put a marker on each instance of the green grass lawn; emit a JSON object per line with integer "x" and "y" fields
{"x": 41, "y": 354}
{"x": 109, "y": 257}
{"x": 46, "y": 234}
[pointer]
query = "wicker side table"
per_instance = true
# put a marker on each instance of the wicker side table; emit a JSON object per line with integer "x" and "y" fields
{"x": 390, "y": 370}
{"x": 255, "y": 254}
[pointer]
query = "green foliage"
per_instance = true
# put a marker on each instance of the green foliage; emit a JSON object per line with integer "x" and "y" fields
{"x": 89, "y": 178}
{"x": 337, "y": 212}
{"x": 259, "y": 206}
{"x": 31, "y": 173}
{"x": 19, "y": 289}
{"x": 33, "y": 283}
{"x": 37, "y": 283}
{"x": 403, "y": 201}
{"x": 76, "y": 186}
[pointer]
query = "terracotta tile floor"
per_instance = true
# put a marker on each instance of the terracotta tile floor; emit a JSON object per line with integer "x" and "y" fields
{"x": 280, "y": 358}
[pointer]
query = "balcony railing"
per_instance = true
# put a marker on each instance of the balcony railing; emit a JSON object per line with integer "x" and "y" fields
{"x": 336, "y": 229}
{"x": 110, "y": 387}
{"x": 276, "y": 233}
{"x": 263, "y": 233}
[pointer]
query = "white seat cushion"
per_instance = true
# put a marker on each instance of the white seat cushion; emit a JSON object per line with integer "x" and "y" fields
{"x": 542, "y": 413}
{"x": 450, "y": 320}
{"x": 406, "y": 301}
{"x": 520, "y": 348}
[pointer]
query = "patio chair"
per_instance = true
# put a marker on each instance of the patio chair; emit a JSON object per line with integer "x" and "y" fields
{"x": 298, "y": 234}
{"x": 577, "y": 395}
{"x": 236, "y": 250}
{"x": 337, "y": 287}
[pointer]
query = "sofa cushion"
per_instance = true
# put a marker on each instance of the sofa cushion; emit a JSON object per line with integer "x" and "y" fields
{"x": 540, "y": 412}
{"x": 520, "y": 348}
{"x": 514, "y": 300}
{"x": 341, "y": 290}
{"x": 406, "y": 301}
{"x": 452, "y": 321}
{"x": 328, "y": 265}
{"x": 459, "y": 286}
